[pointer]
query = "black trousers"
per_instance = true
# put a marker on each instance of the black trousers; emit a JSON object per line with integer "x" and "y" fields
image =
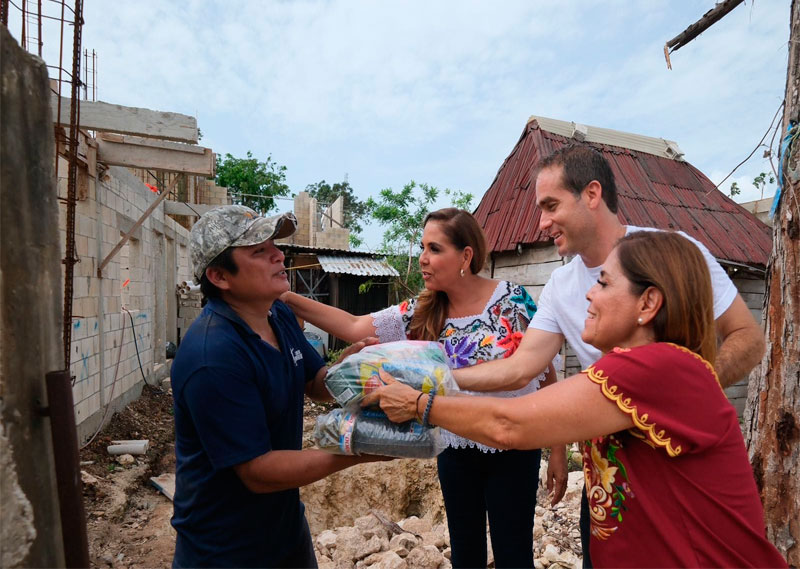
{"x": 500, "y": 484}
{"x": 585, "y": 525}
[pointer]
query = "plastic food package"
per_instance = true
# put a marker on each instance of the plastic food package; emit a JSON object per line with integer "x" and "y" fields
{"x": 422, "y": 365}
{"x": 368, "y": 431}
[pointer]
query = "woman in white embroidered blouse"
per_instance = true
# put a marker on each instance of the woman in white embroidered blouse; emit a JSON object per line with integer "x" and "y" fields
{"x": 476, "y": 319}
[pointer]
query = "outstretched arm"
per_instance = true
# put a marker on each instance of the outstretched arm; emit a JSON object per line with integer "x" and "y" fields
{"x": 284, "y": 469}
{"x": 742, "y": 343}
{"x": 555, "y": 415}
{"x": 535, "y": 352}
{"x": 336, "y": 321}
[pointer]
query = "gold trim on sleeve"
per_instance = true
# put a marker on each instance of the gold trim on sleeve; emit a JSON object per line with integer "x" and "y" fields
{"x": 659, "y": 438}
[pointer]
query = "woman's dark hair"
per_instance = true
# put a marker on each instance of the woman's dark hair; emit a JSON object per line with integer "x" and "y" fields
{"x": 463, "y": 231}
{"x": 224, "y": 261}
{"x": 676, "y": 267}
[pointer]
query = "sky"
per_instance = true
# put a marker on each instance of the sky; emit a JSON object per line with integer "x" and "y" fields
{"x": 439, "y": 92}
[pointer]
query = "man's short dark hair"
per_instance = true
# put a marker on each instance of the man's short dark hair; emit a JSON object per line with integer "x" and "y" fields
{"x": 224, "y": 261}
{"x": 581, "y": 165}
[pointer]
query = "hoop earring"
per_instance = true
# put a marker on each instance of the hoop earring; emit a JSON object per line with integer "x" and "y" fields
{"x": 462, "y": 273}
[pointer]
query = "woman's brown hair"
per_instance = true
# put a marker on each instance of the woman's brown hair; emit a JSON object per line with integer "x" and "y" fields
{"x": 463, "y": 231}
{"x": 676, "y": 267}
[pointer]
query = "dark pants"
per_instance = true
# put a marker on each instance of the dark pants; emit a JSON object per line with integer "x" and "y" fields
{"x": 303, "y": 557}
{"x": 502, "y": 484}
{"x": 585, "y": 525}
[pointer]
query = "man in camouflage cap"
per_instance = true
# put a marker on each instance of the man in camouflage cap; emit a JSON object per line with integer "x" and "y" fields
{"x": 238, "y": 381}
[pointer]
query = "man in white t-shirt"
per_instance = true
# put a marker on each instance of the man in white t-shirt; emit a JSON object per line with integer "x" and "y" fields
{"x": 576, "y": 192}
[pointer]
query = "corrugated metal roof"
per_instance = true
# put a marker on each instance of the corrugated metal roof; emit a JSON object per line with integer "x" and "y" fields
{"x": 653, "y": 189}
{"x": 352, "y": 265}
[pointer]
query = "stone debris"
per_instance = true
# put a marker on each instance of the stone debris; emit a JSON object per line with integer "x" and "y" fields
{"x": 88, "y": 480}
{"x": 371, "y": 543}
{"x": 126, "y": 459}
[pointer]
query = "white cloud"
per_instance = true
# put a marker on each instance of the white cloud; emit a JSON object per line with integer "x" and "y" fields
{"x": 440, "y": 91}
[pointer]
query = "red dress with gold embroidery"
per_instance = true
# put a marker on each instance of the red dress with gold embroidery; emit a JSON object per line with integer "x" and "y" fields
{"x": 675, "y": 490}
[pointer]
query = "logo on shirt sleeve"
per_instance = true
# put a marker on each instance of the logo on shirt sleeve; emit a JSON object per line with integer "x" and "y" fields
{"x": 297, "y": 355}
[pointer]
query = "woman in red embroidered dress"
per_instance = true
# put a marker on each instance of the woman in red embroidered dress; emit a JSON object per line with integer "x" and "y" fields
{"x": 667, "y": 474}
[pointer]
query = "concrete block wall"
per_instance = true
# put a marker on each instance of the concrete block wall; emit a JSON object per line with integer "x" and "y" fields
{"x": 106, "y": 347}
{"x": 314, "y": 232}
{"x": 333, "y": 238}
{"x": 212, "y": 194}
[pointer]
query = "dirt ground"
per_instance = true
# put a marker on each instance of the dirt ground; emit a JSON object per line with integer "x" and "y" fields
{"x": 127, "y": 517}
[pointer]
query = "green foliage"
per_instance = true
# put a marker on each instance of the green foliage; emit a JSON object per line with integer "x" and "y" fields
{"x": 402, "y": 214}
{"x": 459, "y": 199}
{"x": 734, "y": 191}
{"x": 332, "y": 356}
{"x": 355, "y": 210}
{"x": 761, "y": 181}
{"x": 252, "y": 183}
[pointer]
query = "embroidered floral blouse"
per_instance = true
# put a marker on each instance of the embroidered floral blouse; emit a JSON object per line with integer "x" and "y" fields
{"x": 493, "y": 334}
{"x": 676, "y": 489}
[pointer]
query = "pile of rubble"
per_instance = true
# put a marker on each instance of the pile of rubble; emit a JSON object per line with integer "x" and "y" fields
{"x": 375, "y": 542}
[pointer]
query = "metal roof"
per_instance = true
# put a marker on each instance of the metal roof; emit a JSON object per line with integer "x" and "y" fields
{"x": 356, "y": 265}
{"x": 653, "y": 191}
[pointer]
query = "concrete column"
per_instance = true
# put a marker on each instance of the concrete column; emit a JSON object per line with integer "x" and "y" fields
{"x": 30, "y": 312}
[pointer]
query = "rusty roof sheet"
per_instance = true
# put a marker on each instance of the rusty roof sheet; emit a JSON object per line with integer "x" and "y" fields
{"x": 653, "y": 190}
{"x": 356, "y": 265}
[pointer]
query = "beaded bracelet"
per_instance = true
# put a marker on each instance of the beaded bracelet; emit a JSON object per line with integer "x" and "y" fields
{"x": 427, "y": 413}
{"x": 416, "y": 406}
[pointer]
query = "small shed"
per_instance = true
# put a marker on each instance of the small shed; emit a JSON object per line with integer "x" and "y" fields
{"x": 656, "y": 188}
{"x": 335, "y": 277}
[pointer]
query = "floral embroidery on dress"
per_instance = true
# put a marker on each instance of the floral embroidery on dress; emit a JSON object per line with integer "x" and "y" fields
{"x": 459, "y": 353}
{"x": 607, "y": 485}
{"x": 493, "y": 334}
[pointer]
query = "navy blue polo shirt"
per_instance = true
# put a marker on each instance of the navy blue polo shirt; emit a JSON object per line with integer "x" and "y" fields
{"x": 236, "y": 397}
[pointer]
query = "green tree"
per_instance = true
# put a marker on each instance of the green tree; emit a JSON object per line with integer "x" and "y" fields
{"x": 735, "y": 190}
{"x": 252, "y": 183}
{"x": 355, "y": 210}
{"x": 402, "y": 213}
{"x": 761, "y": 181}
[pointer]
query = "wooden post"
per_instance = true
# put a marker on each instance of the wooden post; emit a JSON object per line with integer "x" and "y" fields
{"x": 772, "y": 419}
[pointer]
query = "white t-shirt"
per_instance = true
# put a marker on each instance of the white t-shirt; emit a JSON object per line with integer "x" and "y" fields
{"x": 563, "y": 304}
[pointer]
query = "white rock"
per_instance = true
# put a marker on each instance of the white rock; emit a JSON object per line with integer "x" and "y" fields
{"x": 434, "y": 539}
{"x": 424, "y": 557}
{"x": 126, "y": 459}
{"x": 448, "y": 553}
{"x": 415, "y": 525}
{"x": 537, "y": 564}
{"x": 403, "y": 543}
{"x": 88, "y": 479}
{"x": 326, "y": 541}
{"x": 551, "y": 553}
{"x": 372, "y": 545}
{"x": 388, "y": 560}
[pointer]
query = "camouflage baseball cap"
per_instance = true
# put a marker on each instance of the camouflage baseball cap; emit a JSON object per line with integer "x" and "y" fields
{"x": 233, "y": 226}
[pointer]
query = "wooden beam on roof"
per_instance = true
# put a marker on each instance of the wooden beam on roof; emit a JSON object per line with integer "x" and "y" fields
{"x": 138, "y": 152}
{"x": 185, "y": 208}
{"x": 709, "y": 19}
{"x": 106, "y": 117}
